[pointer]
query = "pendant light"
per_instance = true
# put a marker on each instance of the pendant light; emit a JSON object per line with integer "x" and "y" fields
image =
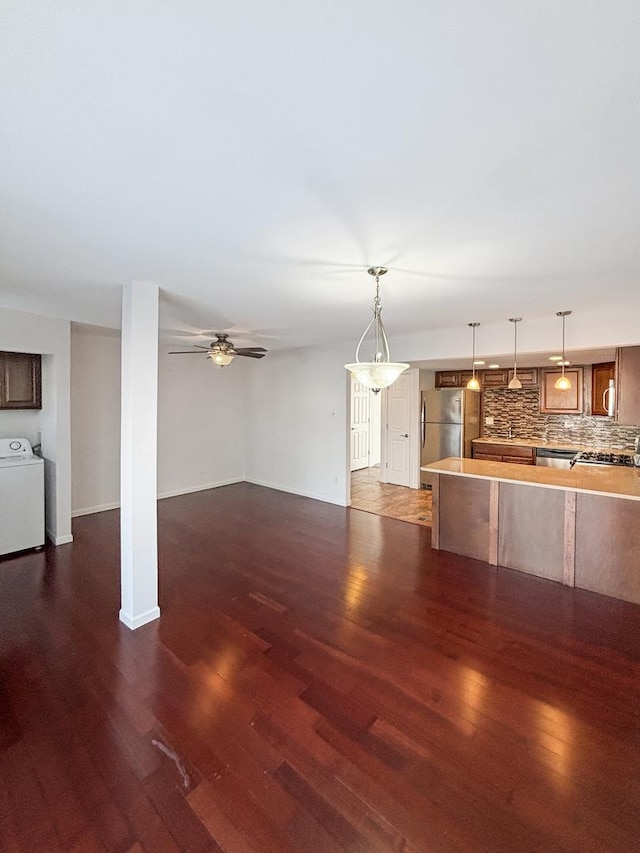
{"x": 473, "y": 384}
{"x": 515, "y": 383}
{"x": 381, "y": 371}
{"x": 563, "y": 383}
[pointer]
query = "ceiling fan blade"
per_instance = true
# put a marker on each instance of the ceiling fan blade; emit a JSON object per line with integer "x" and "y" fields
{"x": 250, "y": 354}
{"x": 184, "y": 352}
{"x": 245, "y": 350}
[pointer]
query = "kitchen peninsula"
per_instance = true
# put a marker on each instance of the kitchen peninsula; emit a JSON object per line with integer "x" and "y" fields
{"x": 580, "y": 527}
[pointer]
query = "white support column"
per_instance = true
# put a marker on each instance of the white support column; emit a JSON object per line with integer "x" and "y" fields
{"x": 138, "y": 455}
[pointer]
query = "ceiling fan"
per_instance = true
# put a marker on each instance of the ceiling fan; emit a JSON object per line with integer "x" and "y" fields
{"x": 222, "y": 351}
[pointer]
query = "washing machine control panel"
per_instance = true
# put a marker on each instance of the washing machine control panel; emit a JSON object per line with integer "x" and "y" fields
{"x": 15, "y": 447}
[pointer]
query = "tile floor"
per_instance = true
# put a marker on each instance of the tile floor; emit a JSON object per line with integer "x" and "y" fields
{"x": 368, "y": 493}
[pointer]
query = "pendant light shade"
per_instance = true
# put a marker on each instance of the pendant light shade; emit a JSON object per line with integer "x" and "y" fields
{"x": 563, "y": 383}
{"x": 473, "y": 384}
{"x": 380, "y": 372}
{"x": 515, "y": 383}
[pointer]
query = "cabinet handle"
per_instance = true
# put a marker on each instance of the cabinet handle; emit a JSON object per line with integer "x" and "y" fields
{"x": 405, "y": 435}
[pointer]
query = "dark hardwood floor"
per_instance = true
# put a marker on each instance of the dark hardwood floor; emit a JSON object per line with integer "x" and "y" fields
{"x": 320, "y": 680}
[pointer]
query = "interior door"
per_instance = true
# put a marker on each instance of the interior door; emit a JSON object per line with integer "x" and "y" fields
{"x": 359, "y": 425}
{"x": 400, "y": 426}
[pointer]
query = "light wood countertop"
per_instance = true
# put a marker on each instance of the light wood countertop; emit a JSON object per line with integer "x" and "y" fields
{"x": 609, "y": 480}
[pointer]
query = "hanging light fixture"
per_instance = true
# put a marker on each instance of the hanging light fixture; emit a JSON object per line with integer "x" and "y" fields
{"x": 515, "y": 383}
{"x": 381, "y": 371}
{"x": 563, "y": 383}
{"x": 473, "y": 384}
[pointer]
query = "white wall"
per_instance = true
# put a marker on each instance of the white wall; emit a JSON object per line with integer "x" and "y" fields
{"x": 21, "y": 332}
{"x": 298, "y": 431}
{"x": 21, "y": 423}
{"x": 202, "y": 422}
{"x": 95, "y": 419}
{"x": 202, "y": 412}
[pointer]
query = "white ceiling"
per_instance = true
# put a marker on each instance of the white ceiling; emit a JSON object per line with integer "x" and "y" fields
{"x": 254, "y": 158}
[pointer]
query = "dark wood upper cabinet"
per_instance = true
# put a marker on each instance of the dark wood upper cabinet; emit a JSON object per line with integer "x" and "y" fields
{"x": 20, "y": 380}
{"x": 628, "y": 382}
{"x": 454, "y": 378}
{"x": 601, "y": 375}
{"x": 497, "y": 378}
{"x": 554, "y": 402}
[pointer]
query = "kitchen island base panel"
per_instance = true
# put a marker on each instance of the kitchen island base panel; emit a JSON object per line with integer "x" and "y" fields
{"x": 463, "y": 516}
{"x": 608, "y": 546}
{"x": 553, "y": 525}
{"x": 531, "y": 530}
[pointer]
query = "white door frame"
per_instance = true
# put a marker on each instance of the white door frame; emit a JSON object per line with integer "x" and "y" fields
{"x": 414, "y": 432}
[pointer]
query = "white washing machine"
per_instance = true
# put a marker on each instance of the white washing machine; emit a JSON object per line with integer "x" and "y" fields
{"x": 21, "y": 496}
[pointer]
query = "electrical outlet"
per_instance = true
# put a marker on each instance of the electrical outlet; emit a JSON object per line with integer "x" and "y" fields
{"x": 488, "y": 421}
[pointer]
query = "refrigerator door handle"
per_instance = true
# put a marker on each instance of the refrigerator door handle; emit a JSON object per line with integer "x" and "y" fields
{"x": 423, "y": 431}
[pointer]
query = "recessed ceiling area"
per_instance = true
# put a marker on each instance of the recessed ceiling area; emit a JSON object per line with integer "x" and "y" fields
{"x": 577, "y": 357}
{"x": 254, "y": 160}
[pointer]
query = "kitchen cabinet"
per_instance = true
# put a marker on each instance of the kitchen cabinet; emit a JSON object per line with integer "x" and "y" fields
{"x": 20, "y": 380}
{"x": 454, "y": 378}
{"x": 601, "y": 374}
{"x": 628, "y": 386}
{"x": 569, "y": 402}
{"x": 515, "y": 453}
{"x": 499, "y": 378}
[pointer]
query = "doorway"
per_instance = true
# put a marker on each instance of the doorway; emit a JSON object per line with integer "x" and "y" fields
{"x": 384, "y": 451}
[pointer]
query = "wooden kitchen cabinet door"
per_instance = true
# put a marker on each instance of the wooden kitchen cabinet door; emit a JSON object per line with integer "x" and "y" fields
{"x": 447, "y": 379}
{"x": 554, "y": 402}
{"x": 20, "y": 380}
{"x": 601, "y": 374}
{"x": 628, "y": 381}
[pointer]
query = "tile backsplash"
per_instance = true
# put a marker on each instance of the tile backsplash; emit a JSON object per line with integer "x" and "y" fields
{"x": 521, "y": 409}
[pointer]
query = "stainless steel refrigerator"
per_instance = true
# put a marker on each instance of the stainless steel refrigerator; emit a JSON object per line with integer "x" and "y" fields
{"x": 450, "y": 420}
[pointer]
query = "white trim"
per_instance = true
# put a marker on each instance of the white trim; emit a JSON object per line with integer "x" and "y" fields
{"x": 176, "y": 492}
{"x": 89, "y": 510}
{"x": 59, "y": 540}
{"x": 324, "y": 498}
{"x": 138, "y": 621}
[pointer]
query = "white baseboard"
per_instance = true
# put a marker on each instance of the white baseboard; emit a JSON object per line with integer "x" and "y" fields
{"x": 176, "y": 492}
{"x": 59, "y": 540}
{"x": 90, "y": 510}
{"x": 324, "y": 498}
{"x": 134, "y": 622}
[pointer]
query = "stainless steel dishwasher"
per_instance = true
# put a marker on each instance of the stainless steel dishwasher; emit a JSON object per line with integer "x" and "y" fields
{"x": 551, "y": 457}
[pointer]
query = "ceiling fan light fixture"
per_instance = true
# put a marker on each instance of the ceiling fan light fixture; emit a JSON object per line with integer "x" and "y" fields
{"x": 221, "y": 358}
{"x": 514, "y": 383}
{"x": 563, "y": 383}
{"x": 381, "y": 371}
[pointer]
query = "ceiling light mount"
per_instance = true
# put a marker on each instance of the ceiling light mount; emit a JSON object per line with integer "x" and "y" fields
{"x": 380, "y": 372}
